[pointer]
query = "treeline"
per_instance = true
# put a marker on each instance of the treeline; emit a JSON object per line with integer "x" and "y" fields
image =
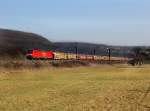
{"x": 140, "y": 55}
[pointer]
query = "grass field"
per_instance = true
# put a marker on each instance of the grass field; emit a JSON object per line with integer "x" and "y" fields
{"x": 97, "y": 88}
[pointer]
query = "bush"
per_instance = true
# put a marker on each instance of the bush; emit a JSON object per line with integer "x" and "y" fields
{"x": 55, "y": 64}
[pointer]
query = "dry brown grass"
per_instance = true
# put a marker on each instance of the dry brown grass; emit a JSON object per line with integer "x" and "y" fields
{"x": 98, "y": 88}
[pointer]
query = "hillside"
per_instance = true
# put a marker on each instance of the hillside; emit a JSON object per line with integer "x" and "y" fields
{"x": 91, "y": 48}
{"x": 15, "y": 43}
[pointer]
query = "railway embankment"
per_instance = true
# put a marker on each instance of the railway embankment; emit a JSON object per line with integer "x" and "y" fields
{"x": 37, "y": 64}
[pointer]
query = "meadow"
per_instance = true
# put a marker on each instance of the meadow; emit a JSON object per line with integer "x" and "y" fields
{"x": 96, "y": 88}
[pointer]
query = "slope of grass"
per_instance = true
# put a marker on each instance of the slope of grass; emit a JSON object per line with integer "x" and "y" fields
{"x": 99, "y": 88}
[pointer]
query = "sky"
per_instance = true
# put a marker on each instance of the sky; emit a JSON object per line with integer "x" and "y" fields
{"x": 114, "y": 22}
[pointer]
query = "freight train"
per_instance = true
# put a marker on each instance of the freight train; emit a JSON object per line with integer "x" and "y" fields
{"x": 50, "y": 55}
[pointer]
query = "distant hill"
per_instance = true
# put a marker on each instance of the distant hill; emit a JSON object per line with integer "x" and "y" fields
{"x": 90, "y": 48}
{"x": 15, "y": 43}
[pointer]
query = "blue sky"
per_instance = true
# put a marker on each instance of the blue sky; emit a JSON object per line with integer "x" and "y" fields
{"x": 116, "y": 22}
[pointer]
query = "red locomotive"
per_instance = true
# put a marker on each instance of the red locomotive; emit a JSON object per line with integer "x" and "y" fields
{"x": 39, "y": 54}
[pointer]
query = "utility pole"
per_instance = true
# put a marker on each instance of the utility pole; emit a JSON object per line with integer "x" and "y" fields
{"x": 109, "y": 53}
{"x": 76, "y": 49}
{"x": 94, "y": 51}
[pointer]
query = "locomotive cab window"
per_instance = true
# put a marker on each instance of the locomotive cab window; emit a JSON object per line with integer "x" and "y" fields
{"x": 29, "y": 51}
